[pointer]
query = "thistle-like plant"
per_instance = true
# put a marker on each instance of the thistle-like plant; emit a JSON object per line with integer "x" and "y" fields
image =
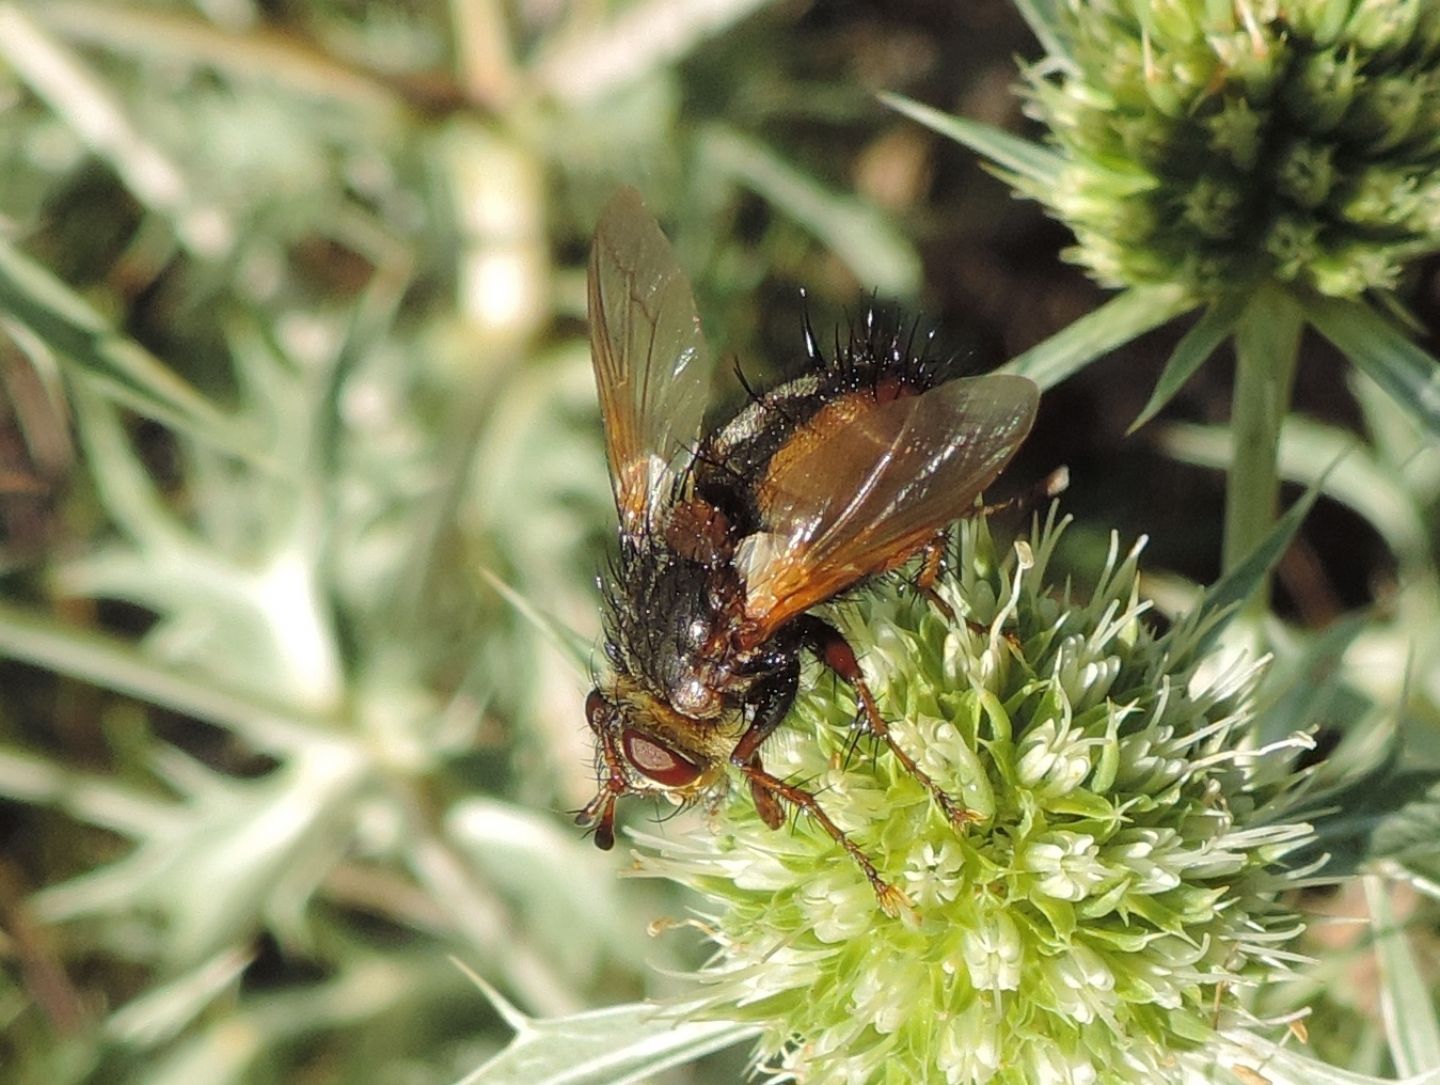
{"x": 1111, "y": 903}
{"x": 1111, "y": 909}
{"x": 1271, "y": 164}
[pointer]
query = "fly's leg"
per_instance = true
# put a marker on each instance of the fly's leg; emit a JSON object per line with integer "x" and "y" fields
{"x": 835, "y": 652}
{"x": 932, "y": 560}
{"x": 772, "y": 700}
{"x": 932, "y": 555}
{"x": 1052, "y": 485}
{"x": 891, "y": 899}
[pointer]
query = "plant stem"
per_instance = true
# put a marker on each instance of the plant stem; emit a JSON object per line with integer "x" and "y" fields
{"x": 1267, "y": 343}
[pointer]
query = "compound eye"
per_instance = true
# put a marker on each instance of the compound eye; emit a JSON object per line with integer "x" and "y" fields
{"x": 596, "y": 706}
{"x": 657, "y": 761}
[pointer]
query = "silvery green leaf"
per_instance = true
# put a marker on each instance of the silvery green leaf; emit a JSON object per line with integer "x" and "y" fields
{"x": 212, "y": 871}
{"x": 1405, "y": 1000}
{"x": 614, "y": 1046}
{"x": 87, "y": 347}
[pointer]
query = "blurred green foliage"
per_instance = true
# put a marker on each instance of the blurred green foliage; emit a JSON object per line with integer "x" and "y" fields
{"x": 295, "y": 378}
{"x": 295, "y": 381}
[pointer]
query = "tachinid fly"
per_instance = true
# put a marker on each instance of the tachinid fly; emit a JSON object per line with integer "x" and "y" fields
{"x": 730, "y": 537}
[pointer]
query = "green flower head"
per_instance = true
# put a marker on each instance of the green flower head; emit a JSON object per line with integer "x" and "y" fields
{"x": 1216, "y": 144}
{"x": 1098, "y": 918}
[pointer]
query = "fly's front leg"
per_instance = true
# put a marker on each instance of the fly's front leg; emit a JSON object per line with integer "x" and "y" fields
{"x": 891, "y": 899}
{"x": 772, "y": 699}
{"x": 835, "y": 652}
{"x": 1051, "y": 486}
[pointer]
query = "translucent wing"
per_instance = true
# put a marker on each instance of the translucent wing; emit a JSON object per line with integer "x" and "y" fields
{"x": 856, "y": 492}
{"x": 651, "y": 365}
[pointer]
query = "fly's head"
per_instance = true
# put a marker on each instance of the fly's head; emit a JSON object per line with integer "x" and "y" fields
{"x": 644, "y": 746}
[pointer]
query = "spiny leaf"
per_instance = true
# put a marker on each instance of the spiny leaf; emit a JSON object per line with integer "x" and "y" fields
{"x": 1029, "y": 160}
{"x": 1381, "y": 351}
{"x": 1201, "y": 341}
{"x": 1121, "y": 319}
{"x": 90, "y": 349}
{"x": 614, "y": 1046}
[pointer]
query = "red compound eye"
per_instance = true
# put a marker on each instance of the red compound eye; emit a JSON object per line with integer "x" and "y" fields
{"x": 657, "y": 761}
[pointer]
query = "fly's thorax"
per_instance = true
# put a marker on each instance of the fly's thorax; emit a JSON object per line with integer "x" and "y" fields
{"x": 699, "y": 531}
{"x": 669, "y": 625}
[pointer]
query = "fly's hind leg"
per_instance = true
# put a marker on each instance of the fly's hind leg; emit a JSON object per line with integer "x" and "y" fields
{"x": 835, "y": 652}
{"x": 932, "y": 561}
{"x": 932, "y": 554}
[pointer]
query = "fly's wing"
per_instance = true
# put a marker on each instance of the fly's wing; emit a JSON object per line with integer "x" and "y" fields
{"x": 841, "y": 502}
{"x": 651, "y": 365}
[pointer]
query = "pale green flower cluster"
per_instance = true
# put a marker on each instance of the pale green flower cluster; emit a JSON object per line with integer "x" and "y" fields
{"x": 1104, "y": 913}
{"x": 1215, "y": 144}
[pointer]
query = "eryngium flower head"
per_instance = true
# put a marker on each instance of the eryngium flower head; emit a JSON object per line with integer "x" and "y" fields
{"x": 1213, "y": 144}
{"x": 1102, "y": 915}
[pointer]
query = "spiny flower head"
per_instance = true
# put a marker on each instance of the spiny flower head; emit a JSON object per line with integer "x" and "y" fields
{"x": 1214, "y": 144}
{"x": 1114, "y": 893}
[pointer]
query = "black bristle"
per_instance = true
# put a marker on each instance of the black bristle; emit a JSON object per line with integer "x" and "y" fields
{"x": 745, "y": 384}
{"x": 885, "y": 343}
{"x": 812, "y": 345}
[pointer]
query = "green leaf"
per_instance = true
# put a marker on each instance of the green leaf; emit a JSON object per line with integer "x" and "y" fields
{"x": 1405, "y": 1002}
{"x": 1040, "y": 16}
{"x": 1201, "y": 341}
{"x": 614, "y": 1046}
{"x": 1383, "y": 815}
{"x": 1121, "y": 319}
{"x": 62, "y": 322}
{"x": 1221, "y": 601}
{"x": 1029, "y": 160}
{"x": 863, "y": 237}
{"x": 1381, "y": 351}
